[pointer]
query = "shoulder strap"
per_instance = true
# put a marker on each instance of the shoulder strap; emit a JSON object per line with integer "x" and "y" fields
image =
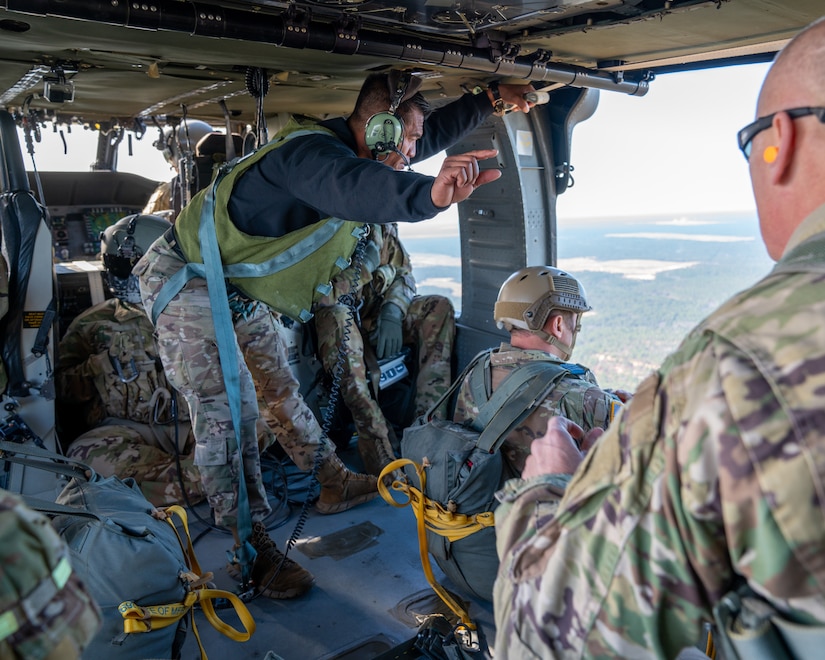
{"x": 522, "y": 391}
{"x": 481, "y": 382}
{"x": 445, "y": 398}
{"x": 43, "y": 459}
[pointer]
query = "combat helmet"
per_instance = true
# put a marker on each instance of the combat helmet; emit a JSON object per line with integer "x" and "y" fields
{"x": 528, "y": 296}
{"x": 122, "y": 244}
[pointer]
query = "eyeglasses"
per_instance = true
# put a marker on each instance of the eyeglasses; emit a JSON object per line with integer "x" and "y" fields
{"x": 746, "y": 135}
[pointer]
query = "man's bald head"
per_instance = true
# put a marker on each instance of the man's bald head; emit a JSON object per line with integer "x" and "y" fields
{"x": 787, "y": 162}
{"x": 797, "y": 76}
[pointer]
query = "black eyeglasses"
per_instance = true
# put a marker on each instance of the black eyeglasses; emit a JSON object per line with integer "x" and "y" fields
{"x": 746, "y": 135}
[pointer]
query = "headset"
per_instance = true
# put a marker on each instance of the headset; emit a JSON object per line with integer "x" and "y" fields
{"x": 384, "y": 131}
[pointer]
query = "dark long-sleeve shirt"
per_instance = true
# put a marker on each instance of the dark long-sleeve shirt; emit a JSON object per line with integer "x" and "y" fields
{"x": 316, "y": 176}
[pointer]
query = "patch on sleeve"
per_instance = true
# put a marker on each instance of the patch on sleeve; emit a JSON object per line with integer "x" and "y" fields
{"x": 615, "y": 407}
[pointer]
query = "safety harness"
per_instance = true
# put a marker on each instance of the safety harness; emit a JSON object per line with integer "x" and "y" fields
{"x": 276, "y": 275}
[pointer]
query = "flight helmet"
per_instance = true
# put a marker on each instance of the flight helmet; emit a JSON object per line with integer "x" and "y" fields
{"x": 122, "y": 244}
{"x": 182, "y": 138}
{"x": 528, "y": 296}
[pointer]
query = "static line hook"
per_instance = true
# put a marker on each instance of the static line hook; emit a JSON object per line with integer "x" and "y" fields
{"x": 116, "y": 363}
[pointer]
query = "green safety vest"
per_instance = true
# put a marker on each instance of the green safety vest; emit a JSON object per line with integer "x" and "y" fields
{"x": 276, "y": 271}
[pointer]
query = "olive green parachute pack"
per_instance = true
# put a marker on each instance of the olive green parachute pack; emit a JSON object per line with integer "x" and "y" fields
{"x": 136, "y": 561}
{"x": 463, "y": 469}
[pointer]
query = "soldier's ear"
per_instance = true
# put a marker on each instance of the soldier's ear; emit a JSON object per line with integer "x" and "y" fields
{"x": 556, "y": 325}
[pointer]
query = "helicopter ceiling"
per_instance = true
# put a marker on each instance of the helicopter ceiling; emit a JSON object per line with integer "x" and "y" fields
{"x": 127, "y": 61}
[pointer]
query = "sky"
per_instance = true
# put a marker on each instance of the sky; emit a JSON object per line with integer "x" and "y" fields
{"x": 670, "y": 151}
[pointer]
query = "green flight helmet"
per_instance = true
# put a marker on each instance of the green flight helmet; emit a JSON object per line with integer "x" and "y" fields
{"x": 122, "y": 244}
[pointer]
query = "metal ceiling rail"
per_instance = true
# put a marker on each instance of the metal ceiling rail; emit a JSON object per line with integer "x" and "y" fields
{"x": 295, "y": 28}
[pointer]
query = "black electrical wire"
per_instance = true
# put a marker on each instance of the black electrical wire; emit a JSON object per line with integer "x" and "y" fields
{"x": 349, "y": 301}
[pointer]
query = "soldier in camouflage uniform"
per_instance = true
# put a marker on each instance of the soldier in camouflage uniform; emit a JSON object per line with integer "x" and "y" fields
{"x": 287, "y": 219}
{"x": 45, "y": 611}
{"x": 541, "y": 308}
{"x": 108, "y": 365}
{"x": 389, "y": 315}
{"x": 713, "y": 475}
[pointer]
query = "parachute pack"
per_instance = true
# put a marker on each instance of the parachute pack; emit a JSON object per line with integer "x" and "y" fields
{"x": 460, "y": 469}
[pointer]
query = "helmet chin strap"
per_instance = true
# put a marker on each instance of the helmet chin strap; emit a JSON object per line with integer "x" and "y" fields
{"x": 566, "y": 349}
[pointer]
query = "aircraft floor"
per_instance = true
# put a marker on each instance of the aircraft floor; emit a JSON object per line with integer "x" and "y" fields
{"x": 369, "y": 584}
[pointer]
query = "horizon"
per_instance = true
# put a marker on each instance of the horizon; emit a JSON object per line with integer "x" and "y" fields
{"x": 672, "y": 151}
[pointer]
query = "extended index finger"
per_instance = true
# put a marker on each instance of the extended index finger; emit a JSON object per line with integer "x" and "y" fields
{"x": 481, "y": 154}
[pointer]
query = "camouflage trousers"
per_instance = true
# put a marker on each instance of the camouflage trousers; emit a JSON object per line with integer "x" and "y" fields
{"x": 429, "y": 325}
{"x": 187, "y": 345}
{"x": 127, "y": 449}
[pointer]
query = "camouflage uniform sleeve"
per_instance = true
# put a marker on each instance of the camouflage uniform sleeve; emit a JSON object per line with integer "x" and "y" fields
{"x": 45, "y": 611}
{"x": 589, "y": 407}
{"x": 401, "y": 289}
{"x": 78, "y": 363}
{"x": 611, "y": 571}
{"x": 526, "y": 504}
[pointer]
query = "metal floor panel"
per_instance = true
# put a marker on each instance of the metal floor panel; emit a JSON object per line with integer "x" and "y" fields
{"x": 369, "y": 584}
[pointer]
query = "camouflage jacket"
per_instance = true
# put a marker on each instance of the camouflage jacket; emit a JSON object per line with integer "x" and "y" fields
{"x": 386, "y": 276}
{"x": 712, "y": 474}
{"x": 45, "y": 611}
{"x": 577, "y": 397}
{"x": 108, "y": 362}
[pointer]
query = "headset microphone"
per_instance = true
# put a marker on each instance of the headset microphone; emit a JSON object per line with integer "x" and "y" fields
{"x": 403, "y": 158}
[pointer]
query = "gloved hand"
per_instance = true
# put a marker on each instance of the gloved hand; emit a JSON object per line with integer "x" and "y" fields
{"x": 389, "y": 337}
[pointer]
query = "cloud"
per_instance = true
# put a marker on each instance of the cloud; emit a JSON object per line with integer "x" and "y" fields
{"x": 422, "y": 259}
{"x": 631, "y": 269}
{"x": 447, "y": 283}
{"x": 684, "y": 222}
{"x": 701, "y": 238}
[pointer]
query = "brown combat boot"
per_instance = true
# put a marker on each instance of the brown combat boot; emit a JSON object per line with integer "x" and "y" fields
{"x": 342, "y": 489}
{"x": 376, "y": 453}
{"x": 290, "y": 581}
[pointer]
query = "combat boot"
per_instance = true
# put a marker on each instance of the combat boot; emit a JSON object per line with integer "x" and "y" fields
{"x": 342, "y": 489}
{"x": 290, "y": 581}
{"x": 376, "y": 453}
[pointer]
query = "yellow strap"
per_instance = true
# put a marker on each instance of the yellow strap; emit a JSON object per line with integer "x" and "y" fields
{"x": 420, "y": 517}
{"x": 710, "y": 646}
{"x": 441, "y": 521}
{"x": 140, "y": 619}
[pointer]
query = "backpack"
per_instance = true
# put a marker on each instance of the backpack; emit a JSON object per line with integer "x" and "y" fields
{"x": 134, "y": 561}
{"x": 463, "y": 468}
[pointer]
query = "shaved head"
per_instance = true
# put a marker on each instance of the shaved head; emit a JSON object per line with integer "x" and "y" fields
{"x": 788, "y": 163}
{"x": 797, "y": 76}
